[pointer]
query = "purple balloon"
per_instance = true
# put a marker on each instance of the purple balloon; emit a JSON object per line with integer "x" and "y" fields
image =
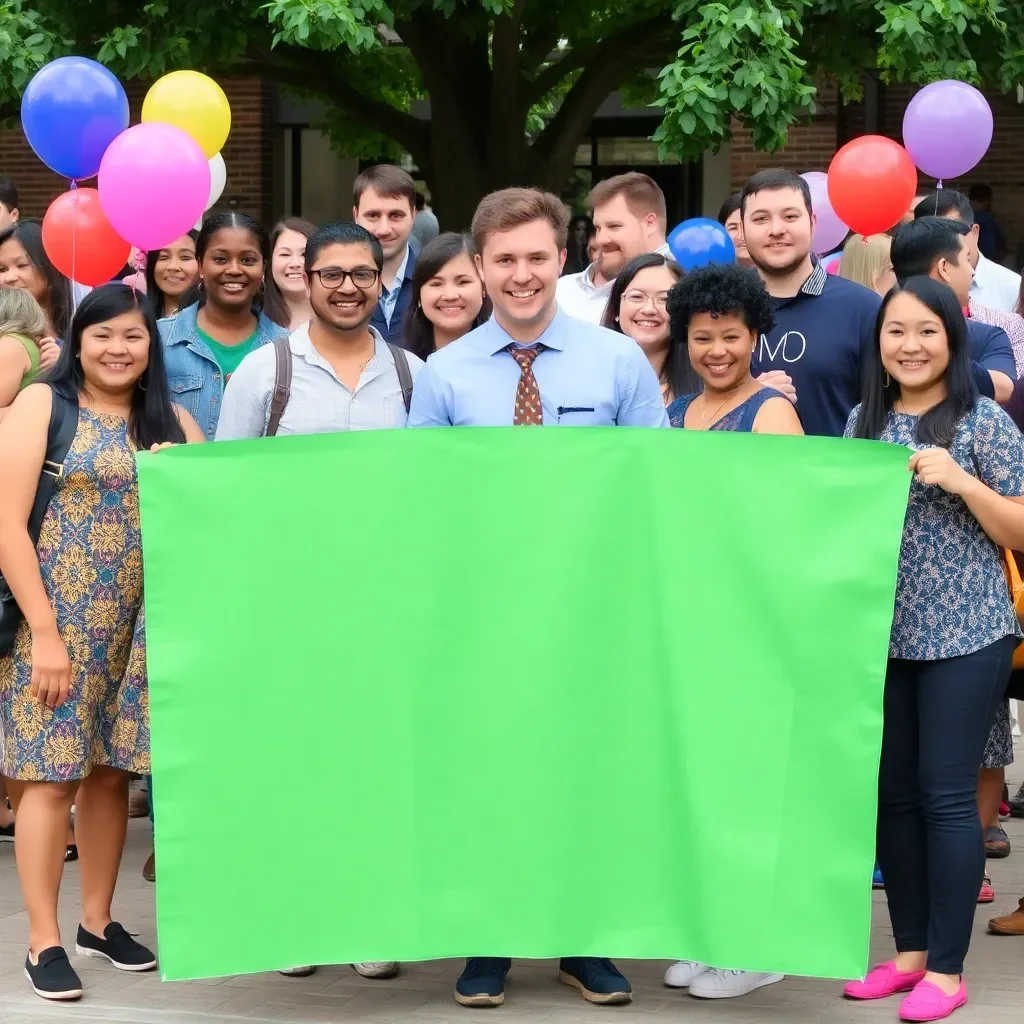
{"x": 947, "y": 128}
{"x": 829, "y": 231}
{"x": 154, "y": 183}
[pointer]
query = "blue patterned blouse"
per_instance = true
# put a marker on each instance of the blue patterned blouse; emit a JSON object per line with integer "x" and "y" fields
{"x": 951, "y": 594}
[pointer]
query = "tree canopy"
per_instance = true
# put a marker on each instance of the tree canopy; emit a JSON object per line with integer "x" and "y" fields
{"x": 513, "y": 84}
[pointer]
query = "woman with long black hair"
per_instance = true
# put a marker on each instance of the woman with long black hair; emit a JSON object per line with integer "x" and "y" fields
{"x": 24, "y": 264}
{"x": 74, "y": 697}
{"x": 953, "y": 635}
{"x": 206, "y": 341}
{"x": 448, "y": 297}
{"x": 171, "y": 275}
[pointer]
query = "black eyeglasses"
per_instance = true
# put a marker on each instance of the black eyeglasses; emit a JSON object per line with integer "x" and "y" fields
{"x": 334, "y": 277}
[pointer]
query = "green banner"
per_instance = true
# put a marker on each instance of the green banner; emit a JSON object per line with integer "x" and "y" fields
{"x": 532, "y": 693}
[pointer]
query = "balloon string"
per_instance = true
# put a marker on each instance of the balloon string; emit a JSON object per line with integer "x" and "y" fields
{"x": 74, "y": 218}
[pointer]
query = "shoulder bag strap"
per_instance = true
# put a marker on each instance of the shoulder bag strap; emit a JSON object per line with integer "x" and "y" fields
{"x": 59, "y": 435}
{"x": 282, "y": 385}
{"x": 404, "y": 376}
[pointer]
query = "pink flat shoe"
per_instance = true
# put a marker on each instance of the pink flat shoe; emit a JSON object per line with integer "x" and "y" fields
{"x": 929, "y": 1002}
{"x": 883, "y": 981}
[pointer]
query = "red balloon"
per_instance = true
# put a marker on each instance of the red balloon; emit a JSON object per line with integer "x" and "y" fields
{"x": 79, "y": 240}
{"x": 871, "y": 184}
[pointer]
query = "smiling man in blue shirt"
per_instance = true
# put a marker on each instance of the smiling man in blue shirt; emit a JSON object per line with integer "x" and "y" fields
{"x": 532, "y": 364}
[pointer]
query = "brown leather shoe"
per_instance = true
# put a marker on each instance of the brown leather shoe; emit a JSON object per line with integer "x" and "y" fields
{"x": 1011, "y": 924}
{"x": 149, "y": 868}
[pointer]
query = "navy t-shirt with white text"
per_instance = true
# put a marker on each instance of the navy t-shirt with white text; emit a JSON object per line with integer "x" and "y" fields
{"x": 819, "y": 338}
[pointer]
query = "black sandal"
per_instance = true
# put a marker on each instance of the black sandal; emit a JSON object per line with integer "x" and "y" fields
{"x": 997, "y": 842}
{"x": 70, "y": 853}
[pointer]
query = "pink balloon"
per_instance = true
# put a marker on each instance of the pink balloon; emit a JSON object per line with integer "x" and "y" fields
{"x": 830, "y": 230}
{"x": 154, "y": 182}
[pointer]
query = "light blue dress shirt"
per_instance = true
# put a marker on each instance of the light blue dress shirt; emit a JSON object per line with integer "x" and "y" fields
{"x": 389, "y": 298}
{"x": 587, "y": 376}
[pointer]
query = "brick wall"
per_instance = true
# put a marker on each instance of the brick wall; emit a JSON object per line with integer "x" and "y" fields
{"x": 811, "y": 147}
{"x": 247, "y": 154}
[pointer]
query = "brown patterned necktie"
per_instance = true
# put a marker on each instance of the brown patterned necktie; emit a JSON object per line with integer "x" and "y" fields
{"x": 528, "y": 408}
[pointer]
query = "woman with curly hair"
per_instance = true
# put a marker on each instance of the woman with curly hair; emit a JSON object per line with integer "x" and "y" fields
{"x": 718, "y": 313}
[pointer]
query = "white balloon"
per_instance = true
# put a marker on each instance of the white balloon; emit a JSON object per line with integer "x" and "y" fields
{"x": 218, "y": 179}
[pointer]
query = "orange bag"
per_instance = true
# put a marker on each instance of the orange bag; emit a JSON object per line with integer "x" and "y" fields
{"x": 1016, "y": 585}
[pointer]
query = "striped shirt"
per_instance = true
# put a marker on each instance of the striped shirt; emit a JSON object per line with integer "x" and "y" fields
{"x": 1011, "y": 323}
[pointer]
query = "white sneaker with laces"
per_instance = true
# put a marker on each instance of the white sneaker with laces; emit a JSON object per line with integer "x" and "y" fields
{"x": 718, "y": 984}
{"x": 376, "y": 969}
{"x": 684, "y": 973}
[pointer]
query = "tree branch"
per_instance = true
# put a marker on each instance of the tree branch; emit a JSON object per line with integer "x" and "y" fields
{"x": 301, "y": 70}
{"x": 538, "y": 44}
{"x": 598, "y": 52}
{"x": 556, "y": 144}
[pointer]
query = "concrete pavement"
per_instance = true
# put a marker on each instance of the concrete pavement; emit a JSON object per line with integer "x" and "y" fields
{"x": 422, "y": 994}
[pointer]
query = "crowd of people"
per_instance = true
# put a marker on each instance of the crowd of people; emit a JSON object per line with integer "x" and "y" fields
{"x": 231, "y": 332}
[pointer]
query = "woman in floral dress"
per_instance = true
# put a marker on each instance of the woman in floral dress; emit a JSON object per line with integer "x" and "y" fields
{"x": 73, "y": 692}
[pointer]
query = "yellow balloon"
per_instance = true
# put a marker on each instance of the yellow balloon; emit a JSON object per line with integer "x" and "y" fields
{"x": 193, "y": 102}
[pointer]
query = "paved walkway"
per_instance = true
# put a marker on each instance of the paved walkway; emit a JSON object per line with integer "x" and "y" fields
{"x": 422, "y": 994}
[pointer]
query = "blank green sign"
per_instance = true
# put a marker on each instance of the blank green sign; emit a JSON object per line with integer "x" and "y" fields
{"x": 531, "y": 693}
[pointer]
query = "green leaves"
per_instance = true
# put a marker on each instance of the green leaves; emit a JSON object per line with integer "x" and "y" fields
{"x": 767, "y": 54}
{"x": 748, "y": 62}
{"x": 28, "y": 39}
{"x": 327, "y": 24}
{"x": 739, "y": 59}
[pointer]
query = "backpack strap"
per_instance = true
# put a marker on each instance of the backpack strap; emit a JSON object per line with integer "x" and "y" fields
{"x": 404, "y": 376}
{"x": 282, "y": 385}
{"x": 59, "y": 436}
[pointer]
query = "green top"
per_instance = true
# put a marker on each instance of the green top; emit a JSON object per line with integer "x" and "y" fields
{"x": 32, "y": 348}
{"x": 228, "y": 356}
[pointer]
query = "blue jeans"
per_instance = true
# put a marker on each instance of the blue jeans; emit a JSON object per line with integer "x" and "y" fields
{"x": 149, "y": 790}
{"x": 937, "y": 718}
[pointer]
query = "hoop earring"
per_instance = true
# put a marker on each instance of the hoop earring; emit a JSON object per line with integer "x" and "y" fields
{"x": 141, "y": 385}
{"x": 202, "y": 285}
{"x": 263, "y": 287}
{"x": 886, "y": 379}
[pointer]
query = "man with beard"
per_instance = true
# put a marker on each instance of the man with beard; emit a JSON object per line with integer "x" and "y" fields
{"x": 344, "y": 375}
{"x": 822, "y": 321}
{"x": 384, "y": 202}
{"x": 629, "y": 219}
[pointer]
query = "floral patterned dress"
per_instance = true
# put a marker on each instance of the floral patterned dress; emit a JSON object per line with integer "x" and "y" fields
{"x": 90, "y": 555}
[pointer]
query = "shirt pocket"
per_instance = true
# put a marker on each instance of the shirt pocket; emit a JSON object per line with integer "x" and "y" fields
{"x": 186, "y": 391}
{"x": 583, "y": 414}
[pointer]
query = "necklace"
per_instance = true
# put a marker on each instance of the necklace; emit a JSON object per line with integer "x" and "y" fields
{"x": 705, "y": 418}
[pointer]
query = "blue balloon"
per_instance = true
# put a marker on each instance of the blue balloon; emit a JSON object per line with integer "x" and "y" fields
{"x": 71, "y": 111}
{"x": 700, "y": 241}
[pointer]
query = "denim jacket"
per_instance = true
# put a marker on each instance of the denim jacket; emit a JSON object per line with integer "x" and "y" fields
{"x": 193, "y": 374}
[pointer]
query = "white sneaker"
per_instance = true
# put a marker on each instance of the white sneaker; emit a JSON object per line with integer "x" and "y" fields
{"x": 298, "y": 972}
{"x": 717, "y": 984}
{"x": 376, "y": 969}
{"x": 684, "y": 973}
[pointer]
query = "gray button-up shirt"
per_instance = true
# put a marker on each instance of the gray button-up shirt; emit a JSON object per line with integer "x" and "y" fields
{"x": 320, "y": 403}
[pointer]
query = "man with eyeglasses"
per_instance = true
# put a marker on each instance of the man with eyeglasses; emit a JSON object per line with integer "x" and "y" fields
{"x": 339, "y": 373}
